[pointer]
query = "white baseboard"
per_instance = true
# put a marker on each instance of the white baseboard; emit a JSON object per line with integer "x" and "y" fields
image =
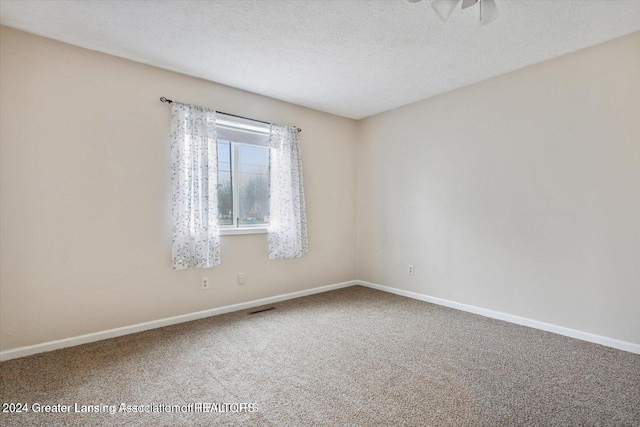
{"x": 536, "y": 324}
{"x": 125, "y": 330}
{"x": 112, "y": 333}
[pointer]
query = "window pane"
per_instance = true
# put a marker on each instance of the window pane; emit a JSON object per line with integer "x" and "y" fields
{"x": 253, "y": 181}
{"x": 225, "y": 191}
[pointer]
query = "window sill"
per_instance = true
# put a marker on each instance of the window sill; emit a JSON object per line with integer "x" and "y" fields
{"x": 242, "y": 230}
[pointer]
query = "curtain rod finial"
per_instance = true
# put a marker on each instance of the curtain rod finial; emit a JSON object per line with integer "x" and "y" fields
{"x": 165, "y": 100}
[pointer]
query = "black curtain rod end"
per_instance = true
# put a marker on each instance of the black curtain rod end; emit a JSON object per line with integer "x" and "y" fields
{"x": 165, "y": 100}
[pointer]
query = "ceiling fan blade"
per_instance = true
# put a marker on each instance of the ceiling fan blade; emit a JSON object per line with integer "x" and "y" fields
{"x": 444, "y": 8}
{"x": 468, "y": 3}
{"x": 488, "y": 12}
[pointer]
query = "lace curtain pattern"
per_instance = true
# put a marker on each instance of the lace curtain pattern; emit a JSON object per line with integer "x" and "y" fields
{"x": 288, "y": 218}
{"x": 194, "y": 178}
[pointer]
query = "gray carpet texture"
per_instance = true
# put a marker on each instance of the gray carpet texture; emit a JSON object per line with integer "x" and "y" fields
{"x": 349, "y": 357}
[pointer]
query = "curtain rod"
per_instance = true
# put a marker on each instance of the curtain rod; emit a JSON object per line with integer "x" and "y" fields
{"x": 169, "y": 101}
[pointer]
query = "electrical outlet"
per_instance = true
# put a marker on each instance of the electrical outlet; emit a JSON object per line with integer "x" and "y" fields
{"x": 410, "y": 270}
{"x": 205, "y": 283}
{"x": 240, "y": 278}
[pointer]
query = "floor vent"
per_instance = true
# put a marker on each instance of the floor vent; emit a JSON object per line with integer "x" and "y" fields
{"x": 260, "y": 311}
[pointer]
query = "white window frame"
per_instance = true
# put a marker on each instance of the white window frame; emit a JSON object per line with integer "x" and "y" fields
{"x": 235, "y": 228}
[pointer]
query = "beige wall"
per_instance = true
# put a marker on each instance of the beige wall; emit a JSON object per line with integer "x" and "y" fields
{"x": 520, "y": 194}
{"x": 85, "y": 191}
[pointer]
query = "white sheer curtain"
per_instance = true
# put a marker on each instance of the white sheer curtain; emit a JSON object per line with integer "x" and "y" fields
{"x": 288, "y": 217}
{"x": 194, "y": 178}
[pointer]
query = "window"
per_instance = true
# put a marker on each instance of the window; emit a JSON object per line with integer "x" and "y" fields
{"x": 250, "y": 154}
{"x": 243, "y": 174}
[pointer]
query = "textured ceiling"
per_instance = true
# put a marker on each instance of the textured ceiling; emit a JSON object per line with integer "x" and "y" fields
{"x": 353, "y": 58}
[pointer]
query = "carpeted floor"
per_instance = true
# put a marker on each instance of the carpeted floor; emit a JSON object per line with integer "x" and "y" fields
{"x": 353, "y": 356}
